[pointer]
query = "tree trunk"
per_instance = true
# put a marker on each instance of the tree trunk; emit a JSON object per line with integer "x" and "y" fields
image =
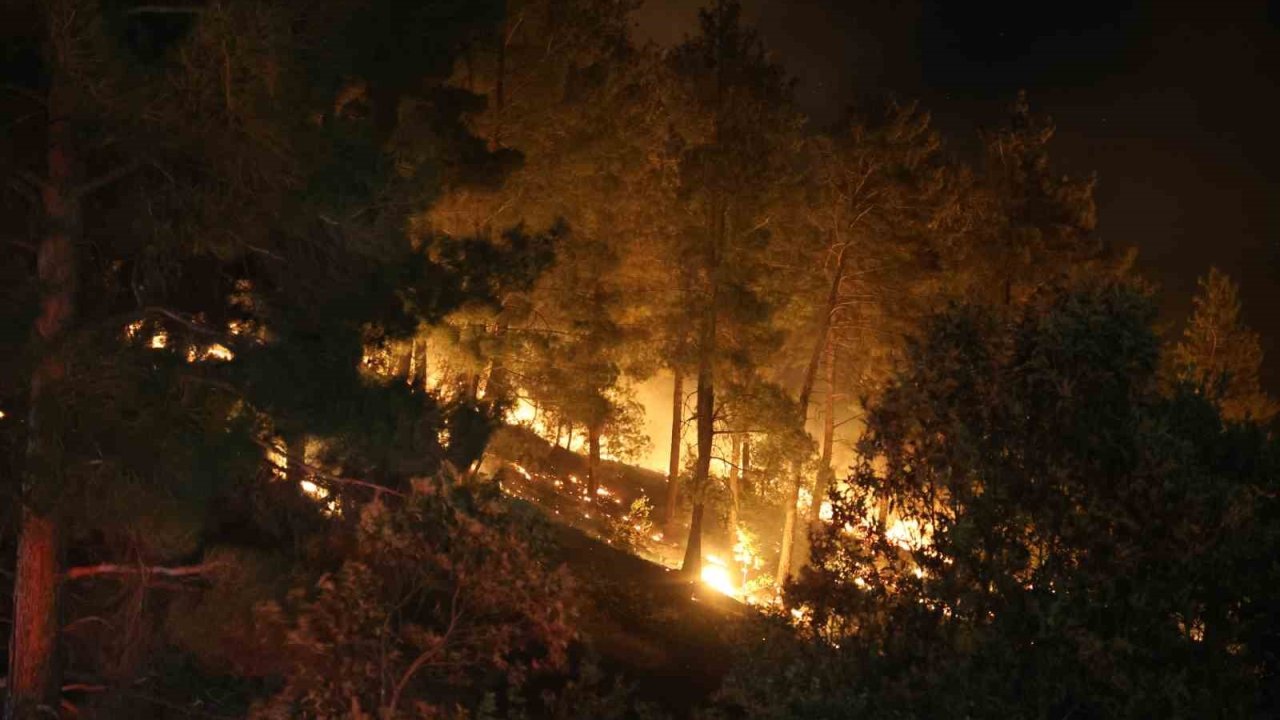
{"x": 702, "y": 467}
{"x": 735, "y": 471}
{"x": 789, "y": 531}
{"x": 404, "y": 363}
{"x": 673, "y": 465}
{"x": 825, "y": 472}
{"x": 34, "y": 683}
{"x": 295, "y": 447}
{"x": 692, "y": 567}
{"x": 421, "y": 377}
{"x": 593, "y": 460}
{"x": 806, "y": 392}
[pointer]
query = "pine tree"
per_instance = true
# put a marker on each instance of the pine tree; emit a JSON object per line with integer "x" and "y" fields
{"x": 1220, "y": 355}
{"x": 1032, "y": 224}
{"x": 224, "y": 241}
{"x": 735, "y": 118}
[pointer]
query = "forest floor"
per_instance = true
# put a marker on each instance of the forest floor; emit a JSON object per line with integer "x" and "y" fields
{"x": 646, "y": 622}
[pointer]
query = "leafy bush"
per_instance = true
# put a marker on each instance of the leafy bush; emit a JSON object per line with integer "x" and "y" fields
{"x": 443, "y": 599}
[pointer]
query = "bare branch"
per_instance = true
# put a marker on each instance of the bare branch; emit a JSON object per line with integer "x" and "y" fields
{"x": 324, "y": 477}
{"x": 83, "y": 571}
{"x": 106, "y": 179}
{"x": 165, "y": 10}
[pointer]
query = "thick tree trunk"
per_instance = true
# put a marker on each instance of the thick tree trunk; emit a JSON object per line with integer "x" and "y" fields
{"x": 702, "y": 467}
{"x": 33, "y": 671}
{"x": 404, "y": 363}
{"x": 673, "y": 464}
{"x": 692, "y": 567}
{"x": 420, "y": 379}
{"x": 735, "y": 473}
{"x": 593, "y": 460}
{"x": 825, "y": 472}
{"x": 789, "y": 531}
{"x": 295, "y": 447}
{"x": 806, "y": 392}
{"x": 34, "y": 684}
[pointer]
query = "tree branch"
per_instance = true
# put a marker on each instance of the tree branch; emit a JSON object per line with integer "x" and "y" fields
{"x": 107, "y": 178}
{"x": 165, "y": 10}
{"x": 326, "y": 477}
{"x": 83, "y": 571}
{"x": 455, "y": 612}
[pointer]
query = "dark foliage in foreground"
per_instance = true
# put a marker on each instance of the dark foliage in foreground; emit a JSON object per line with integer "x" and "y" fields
{"x": 1070, "y": 541}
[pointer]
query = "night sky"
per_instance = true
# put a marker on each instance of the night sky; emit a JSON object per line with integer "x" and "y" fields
{"x": 1176, "y": 105}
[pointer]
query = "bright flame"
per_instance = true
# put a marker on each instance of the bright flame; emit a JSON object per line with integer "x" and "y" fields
{"x": 159, "y": 340}
{"x": 218, "y": 351}
{"x": 906, "y": 534}
{"x": 314, "y": 490}
{"x": 804, "y": 500}
{"x": 824, "y": 511}
{"x": 524, "y": 413}
{"x": 717, "y": 578}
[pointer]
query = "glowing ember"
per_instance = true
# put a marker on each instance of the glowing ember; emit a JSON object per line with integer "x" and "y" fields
{"x": 218, "y": 351}
{"x": 603, "y": 491}
{"x": 159, "y": 340}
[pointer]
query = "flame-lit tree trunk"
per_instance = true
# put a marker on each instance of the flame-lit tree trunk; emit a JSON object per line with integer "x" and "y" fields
{"x": 421, "y": 375}
{"x": 593, "y": 459}
{"x": 702, "y": 467}
{"x": 821, "y": 340}
{"x": 295, "y": 446}
{"x": 673, "y": 465}
{"x": 33, "y": 668}
{"x": 735, "y": 493}
{"x": 404, "y": 363}
{"x": 789, "y": 529}
{"x": 706, "y": 403}
{"x": 825, "y": 472}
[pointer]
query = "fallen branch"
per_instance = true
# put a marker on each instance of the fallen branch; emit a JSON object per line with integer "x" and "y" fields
{"x": 84, "y": 571}
{"x": 194, "y": 325}
{"x": 324, "y": 477}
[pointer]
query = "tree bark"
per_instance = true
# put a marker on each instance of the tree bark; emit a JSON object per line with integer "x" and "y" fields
{"x": 673, "y": 465}
{"x": 421, "y": 377}
{"x": 806, "y": 392}
{"x": 404, "y": 363}
{"x": 825, "y": 472}
{"x": 593, "y": 460}
{"x": 702, "y": 467}
{"x": 33, "y": 668}
{"x": 692, "y": 567}
{"x": 295, "y": 447}
{"x": 735, "y": 471}
{"x": 789, "y": 531}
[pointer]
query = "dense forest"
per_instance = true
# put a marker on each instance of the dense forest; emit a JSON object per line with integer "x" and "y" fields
{"x": 322, "y": 332}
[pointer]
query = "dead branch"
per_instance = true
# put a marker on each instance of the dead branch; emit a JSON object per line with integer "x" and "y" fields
{"x": 83, "y": 571}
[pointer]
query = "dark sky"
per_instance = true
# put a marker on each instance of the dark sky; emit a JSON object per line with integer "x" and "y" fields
{"x": 1175, "y": 104}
